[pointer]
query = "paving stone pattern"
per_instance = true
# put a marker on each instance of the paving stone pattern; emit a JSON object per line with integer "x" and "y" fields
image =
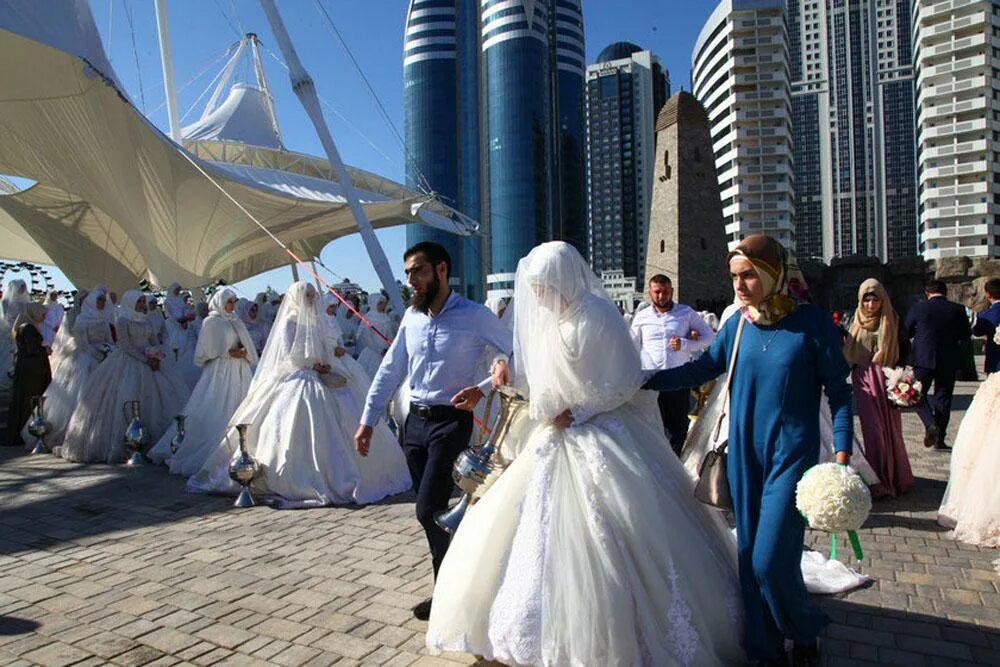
{"x": 111, "y": 565}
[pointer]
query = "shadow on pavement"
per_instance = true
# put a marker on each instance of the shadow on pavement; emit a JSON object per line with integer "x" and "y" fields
{"x": 57, "y": 501}
{"x": 12, "y": 625}
{"x": 861, "y": 635}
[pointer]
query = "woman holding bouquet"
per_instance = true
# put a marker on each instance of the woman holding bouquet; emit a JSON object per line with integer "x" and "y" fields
{"x": 873, "y": 344}
{"x": 131, "y": 372}
{"x": 789, "y": 355}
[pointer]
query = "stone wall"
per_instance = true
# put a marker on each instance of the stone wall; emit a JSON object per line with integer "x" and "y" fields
{"x": 835, "y": 287}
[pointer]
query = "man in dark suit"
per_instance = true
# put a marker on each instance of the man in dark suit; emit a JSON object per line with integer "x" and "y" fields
{"x": 987, "y": 322}
{"x": 935, "y": 327}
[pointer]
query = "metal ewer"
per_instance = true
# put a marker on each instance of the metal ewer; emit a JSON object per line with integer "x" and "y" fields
{"x": 136, "y": 436}
{"x": 243, "y": 468}
{"x": 37, "y": 426}
{"x": 477, "y": 468}
{"x": 178, "y": 439}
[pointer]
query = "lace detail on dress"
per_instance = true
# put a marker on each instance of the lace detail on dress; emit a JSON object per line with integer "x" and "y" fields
{"x": 515, "y": 624}
{"x": 682, "y": 635}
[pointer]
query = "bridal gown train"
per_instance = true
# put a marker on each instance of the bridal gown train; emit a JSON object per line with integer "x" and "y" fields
{"x": 301, "y": 427}
{"x": 971, "y": 504}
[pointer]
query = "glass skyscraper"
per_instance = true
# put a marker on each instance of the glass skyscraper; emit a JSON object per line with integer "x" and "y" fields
{"x": 441, "y": 117}
{"x": 533, "y": 120}
{"x": 626, "y": 89}
{"x": 494, "y": 109}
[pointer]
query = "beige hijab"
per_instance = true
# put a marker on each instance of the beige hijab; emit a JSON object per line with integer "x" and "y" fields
{"x": 885, "y": 323}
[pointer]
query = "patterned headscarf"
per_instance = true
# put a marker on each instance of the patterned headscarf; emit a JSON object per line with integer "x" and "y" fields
{"x": 770, "y": 259}
{"x": 886, "y": 323}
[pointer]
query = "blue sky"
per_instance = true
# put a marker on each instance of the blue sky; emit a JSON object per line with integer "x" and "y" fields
{"x": 201, "y": 30}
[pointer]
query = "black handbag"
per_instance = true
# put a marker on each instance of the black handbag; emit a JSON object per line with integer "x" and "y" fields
{"x": 712, "y": 487}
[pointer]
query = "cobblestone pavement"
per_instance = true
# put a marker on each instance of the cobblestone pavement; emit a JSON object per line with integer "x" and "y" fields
{"x": 104, "y": 564}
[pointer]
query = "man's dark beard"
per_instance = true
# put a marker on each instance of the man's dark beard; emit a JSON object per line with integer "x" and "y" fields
{"x": 422, "y": 302}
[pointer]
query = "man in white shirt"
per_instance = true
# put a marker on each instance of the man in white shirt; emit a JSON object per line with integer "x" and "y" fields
{"x": 668, "y": 335}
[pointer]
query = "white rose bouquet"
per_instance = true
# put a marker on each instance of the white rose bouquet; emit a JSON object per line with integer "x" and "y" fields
{"x": 833, "y": 498}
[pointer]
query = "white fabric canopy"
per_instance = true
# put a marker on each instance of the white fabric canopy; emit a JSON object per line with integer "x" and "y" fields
{"x": 118, "y": 201}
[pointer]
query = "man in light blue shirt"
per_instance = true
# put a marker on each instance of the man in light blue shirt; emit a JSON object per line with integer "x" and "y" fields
{"x": 440, "y": 342}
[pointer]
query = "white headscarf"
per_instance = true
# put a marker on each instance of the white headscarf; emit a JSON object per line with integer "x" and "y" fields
{"x": 333, "y": 326}
{"x": 127, "y": 309}
{"x": 571, "y": 346}
{"x": 217, "y": 304}
{"x": 90, "y": 313}
{"x": 15, "y": 300}
{"x": 298, "y": 338}
{"x": 174, "y": 305}
{"x": 213, "y": 341}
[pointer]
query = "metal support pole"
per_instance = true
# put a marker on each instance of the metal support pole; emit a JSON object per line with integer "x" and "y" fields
{"x": 305, "y": 89}
{"x": 168, "y": 70}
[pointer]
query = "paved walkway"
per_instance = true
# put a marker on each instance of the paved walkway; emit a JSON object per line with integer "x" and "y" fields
{"x": 103, "y": 564}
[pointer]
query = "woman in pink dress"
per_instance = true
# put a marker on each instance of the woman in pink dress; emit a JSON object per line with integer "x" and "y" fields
{"x": 873, "y": 344}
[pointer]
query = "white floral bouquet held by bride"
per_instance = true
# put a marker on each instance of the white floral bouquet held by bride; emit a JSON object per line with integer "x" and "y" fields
{"x": 833, "y": 498}
{"x": 902, "y": 386}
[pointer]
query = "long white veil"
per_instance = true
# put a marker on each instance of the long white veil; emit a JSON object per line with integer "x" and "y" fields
{"x": 571, "y": 346}
{"x": 298, "y": 338}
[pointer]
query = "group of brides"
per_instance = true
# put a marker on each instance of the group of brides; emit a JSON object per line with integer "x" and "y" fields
{"x": 282, "y": 365}
{"x": 590, "y": 548}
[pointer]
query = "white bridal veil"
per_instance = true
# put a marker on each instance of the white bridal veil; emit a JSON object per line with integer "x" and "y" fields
{"x": 560, "y": 309}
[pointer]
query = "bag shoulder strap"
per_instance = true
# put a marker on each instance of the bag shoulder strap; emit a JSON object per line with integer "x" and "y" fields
{"x": 729, "y": 379}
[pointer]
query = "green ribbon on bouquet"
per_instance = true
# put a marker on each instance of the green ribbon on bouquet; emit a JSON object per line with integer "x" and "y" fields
{"x": 852, "y": 536}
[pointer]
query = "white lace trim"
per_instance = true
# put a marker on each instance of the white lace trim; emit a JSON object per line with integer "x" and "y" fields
{"x": 682, "y": 635}
{"x": 515, "y": 623}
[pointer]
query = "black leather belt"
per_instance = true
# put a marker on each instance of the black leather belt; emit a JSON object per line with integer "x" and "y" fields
{"x": 434, "y": 412}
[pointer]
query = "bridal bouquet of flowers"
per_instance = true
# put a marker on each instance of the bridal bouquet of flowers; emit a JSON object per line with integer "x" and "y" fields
{"x": 902, "y": 386}
{"x": 154, "y": 356}
{"x": 833, "y": 498}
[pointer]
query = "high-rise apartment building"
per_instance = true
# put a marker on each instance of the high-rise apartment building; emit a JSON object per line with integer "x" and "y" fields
{"x": 852, "y": 119}
{"x": 957, "y": 53}
{"x": 740, "y": 74}
{"x": 494, "y": 114}
{"x": 441, "y": 117}
{"x": 626, "y": 89}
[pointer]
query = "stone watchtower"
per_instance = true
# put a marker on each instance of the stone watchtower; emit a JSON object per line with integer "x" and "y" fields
{"x": 687, "y": 241}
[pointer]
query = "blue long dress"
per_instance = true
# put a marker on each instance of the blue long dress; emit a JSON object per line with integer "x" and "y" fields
{"x": 773, "y": 439}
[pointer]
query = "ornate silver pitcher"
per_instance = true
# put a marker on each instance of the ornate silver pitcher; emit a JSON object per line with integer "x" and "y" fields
{"x": 136, "y": 435}
{"x": 178, "y": 439}
{"x": 243, "y": 468}
{"x": 37, "y": 426}
{"x": 476, "y": 469}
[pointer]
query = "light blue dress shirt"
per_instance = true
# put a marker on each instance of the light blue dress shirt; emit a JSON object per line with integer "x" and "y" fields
{"x": 440, "y": 354}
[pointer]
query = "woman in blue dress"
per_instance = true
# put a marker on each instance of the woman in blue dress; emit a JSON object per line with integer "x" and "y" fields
{"x": 788, "y": 354}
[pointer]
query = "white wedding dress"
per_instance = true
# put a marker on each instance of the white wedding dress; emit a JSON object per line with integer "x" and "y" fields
{"x": 83, "y": 349}
{"x": 14, "y": 302}
{"x": 971, "y": 504}
{"x": 302, "y": 426}
{"x": 95, "y": 431}
{"x": 223, "y": 385}
{"x": 589, "y": 549}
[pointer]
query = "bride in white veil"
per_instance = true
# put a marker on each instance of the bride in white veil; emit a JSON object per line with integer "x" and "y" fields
{"x": 590, "y": 549}
{"x": 302, "y": 411}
